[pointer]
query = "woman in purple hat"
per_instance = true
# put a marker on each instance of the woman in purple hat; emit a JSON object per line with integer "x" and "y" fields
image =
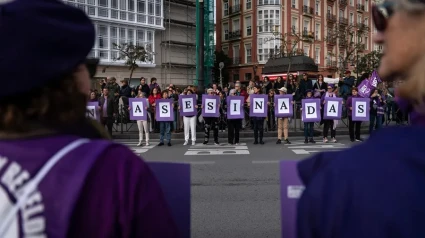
{"x": 58, "y": 177}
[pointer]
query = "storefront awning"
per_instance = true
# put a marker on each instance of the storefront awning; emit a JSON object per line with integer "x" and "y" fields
{"x": 279, "y": 66}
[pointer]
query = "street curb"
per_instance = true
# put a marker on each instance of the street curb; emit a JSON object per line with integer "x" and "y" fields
{"x": 243, "y": 134}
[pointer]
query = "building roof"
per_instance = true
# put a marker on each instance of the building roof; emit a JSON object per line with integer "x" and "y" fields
{"x": 299, "y": 63}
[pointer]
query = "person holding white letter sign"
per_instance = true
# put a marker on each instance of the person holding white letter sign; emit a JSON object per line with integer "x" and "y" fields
{"x": 332, "y": 109}
{"x": 353, "y": 125}
{"x": 142, "y": 125}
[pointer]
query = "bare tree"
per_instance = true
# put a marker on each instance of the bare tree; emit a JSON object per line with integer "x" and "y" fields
{"x": 133, "y": 54}
{"x": 350, "y": 40}
{"x": 288, "y": 45}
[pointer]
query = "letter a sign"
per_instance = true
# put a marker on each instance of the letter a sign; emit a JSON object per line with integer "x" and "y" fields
{"x": 283, "y": 105}
{"x": 311, "y": 110}
{"x": 361, "y": 107}
{"x": 332, "y": 109}
{"x": 164, "y": 110}
{"x": 138, "y": 110}
{"x": 258, "y": 105}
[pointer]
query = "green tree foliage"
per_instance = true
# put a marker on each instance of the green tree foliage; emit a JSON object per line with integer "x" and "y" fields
{"x": 368, "y": 62}
{"x": 133, "y": 54}
{"x": 220, "y": 56}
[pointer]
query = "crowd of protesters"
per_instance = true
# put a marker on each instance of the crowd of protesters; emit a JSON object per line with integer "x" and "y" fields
{"x": 302, "y": 86}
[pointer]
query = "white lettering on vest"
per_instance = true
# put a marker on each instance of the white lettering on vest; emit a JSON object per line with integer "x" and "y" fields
{"x": 14, "y": 177}
{"x": 3, "y": 161}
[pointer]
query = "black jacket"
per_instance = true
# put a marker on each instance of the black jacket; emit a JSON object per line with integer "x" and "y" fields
{"x": 111, "y": 106}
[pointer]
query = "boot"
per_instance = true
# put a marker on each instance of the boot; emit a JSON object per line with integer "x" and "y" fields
{"x": 312, "y": 141}
{"x": 306, "y": 140}
{"x": 261, "y": 137}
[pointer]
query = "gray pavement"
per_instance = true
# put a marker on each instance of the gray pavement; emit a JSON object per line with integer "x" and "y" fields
{"x": 235, "y": 189}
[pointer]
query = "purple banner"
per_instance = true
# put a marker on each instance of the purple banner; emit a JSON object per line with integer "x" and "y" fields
{"x": 210, "y": 106}
{"x": 235, "y": 107}
{"x": 332, "y": 108}
{"x": 311, "y": 110}
{"x": 138, "y": 109}
{"x": 93, "y": 110}
{"x": 258, "y": 105}
{"x": 175, "y": 183}
{"x": 291, "y": 189}
{"x": 375, "y": 79}
{"x": 361, "y": 107}
{"x": 188, "y": 105}
{"x": 368, "y": 85}
{"x": 283, "y": 106}
{"x": 164, "y": 110}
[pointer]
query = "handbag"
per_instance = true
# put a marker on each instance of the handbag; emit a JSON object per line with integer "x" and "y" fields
{"x": 317, "y": 93}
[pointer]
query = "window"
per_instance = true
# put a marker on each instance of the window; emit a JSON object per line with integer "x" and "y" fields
{"x": 294, "y": 3}
{"x": 317, "y": 8}
{"x": 329, "y": 11}
{"x": 317, "y": 31}
{"x": 248, "y": 53}
{"x": 248, "y": 30}
{"x": 294, "y": 24}
{"x": 236, "y": 59}
{"x": 307, "y": 50}
{"x": 366, "y": 42}
{"x": 108, "y": 34}
{"x": 268, "y": 20}
{"x": 359, "y": 19}
{"x": 236, "y": 26}
{"x": 341, "y": 13}
{"x": 351, "y": 2}
{"x": 248, "y": 76}
{"x": 265, "y": 49}
{"x": 268, "y": 2}
{"x": 366, "y": 5}
{"x": 235, "y": 77}
{"x": 225, "y": 50}
{"x": 306, "y": 2}
{"x": 317, "y": 55}
{"x": 351, "y": 18}
{"x": 306, "y": 26}
{"x": 366, "y": 21}
{"x": 248, "y": 4}
{"x": 226, "y": 8}
{"x": 226, "y": 31}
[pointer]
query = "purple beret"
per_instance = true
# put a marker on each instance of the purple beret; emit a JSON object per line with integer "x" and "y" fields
{"x": 41, "y": 40}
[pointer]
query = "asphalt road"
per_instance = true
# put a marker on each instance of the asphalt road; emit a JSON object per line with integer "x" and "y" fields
{"x": 235, "y": 189}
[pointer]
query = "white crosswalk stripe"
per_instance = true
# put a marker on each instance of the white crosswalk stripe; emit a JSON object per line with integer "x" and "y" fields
{"x": 137, "y": 149}
{"x": 301, "y": 148}
{"x": 221, "y": 149}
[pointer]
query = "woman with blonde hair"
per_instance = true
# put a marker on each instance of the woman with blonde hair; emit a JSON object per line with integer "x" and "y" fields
{"x": 54, "y": 163}
{"x": 375, "y": 189}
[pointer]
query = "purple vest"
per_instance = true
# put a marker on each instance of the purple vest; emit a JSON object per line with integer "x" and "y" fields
{"x": 48, "y": 209}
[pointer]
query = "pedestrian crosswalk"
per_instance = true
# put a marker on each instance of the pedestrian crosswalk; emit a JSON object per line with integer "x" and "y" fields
{"x": 138, "y": 149}
{"x": 221, "y": 149}
{"x": 301, "y": 148}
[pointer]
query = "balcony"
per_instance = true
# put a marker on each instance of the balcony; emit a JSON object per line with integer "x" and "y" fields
{"x": 342, "y": 44}
{"x": 308, "y": 11}
{"x": 234, "y": 35}
{"x": 331, "y": 41}
{"x": 268, "y": 3}
{"x": 236, "y": 9}
{"x": 343, "y": 21}
{"x": 361, "y": 47}
{"x": 331, "y": 2}
{"x": 362, "y": 26}
{"x": 331, "y": 18}
{"x": 360, "y": 7}
{"x": 342, "y": 3}
{"x": 236, "y": 60}
{"x": 308, "y": 35}
{"x": 331, "y": 64}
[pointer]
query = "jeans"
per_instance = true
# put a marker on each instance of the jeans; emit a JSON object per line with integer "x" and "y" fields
{"x": 258, "y": 128}
{"x": 234, "y": 126}
{"x": 375, "y": 118}
{"x": 308, "y": 129}
{"x": 165, "y": 130}
{"x": 328, "y": 124}
{"x": 108, "y": 122}
{"x": 354, "y": 125}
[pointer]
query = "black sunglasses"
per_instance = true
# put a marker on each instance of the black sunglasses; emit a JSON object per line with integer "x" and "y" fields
{"x": 381, "y": 13}
{"x": 91, "y": 65}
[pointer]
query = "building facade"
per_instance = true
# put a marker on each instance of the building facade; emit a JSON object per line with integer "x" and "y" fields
{"x": 251, "y": 31}
{"x": 169, "y": 35}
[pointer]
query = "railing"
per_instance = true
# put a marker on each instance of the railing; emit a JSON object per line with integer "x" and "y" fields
{"x": 331, "y": 64}
{"x": 362, "y": 26}
{"x": 361, "y": 47}
{"x": 234, "y": 34}
{"x": 308, "y": 34}
{"x": 268, "y": 3}
{"x": 235, "y": 9}
{"x": 308, "y": 10}
{"x": 343, "y": 20}
{"x": 342, "y": 43}
{"x": 342, "y": 3}
{"x": 330, "y": 18}
{"x": 360, "y": 7}
{"x": 330, "y": 40}
{"x": 236, "y": 60}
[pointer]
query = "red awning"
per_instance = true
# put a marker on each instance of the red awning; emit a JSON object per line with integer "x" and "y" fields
{"x": 273, "y": 77}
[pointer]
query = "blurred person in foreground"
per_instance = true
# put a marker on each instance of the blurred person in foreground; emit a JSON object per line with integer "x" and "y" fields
{"x": 94, "y": 188}
{"x": 376, "y": 189}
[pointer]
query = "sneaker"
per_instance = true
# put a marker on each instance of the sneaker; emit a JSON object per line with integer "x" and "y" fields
{"x": 161, "y": 144}
{"x": 216, "y": 143}
{"x": 205, "y": 142}
{"x": 352, "y": 140}
{"x": 237, "y": 143}
{"x": 261, "y": 142}
{"x": 287, "y": 142}
{"x": 278, "y": 141}
{"x": 147, "y": 143}
{"x": 186, "y": 142}
{"x": 255, "y": 142}
{"x": 169, "y": 144}
{"x": 359, "y": 139}
{"x": 334, "y": 140}
{"x": 325, "y": 140}
{"x": 140, "y": 144}
{"x": 305, "y": 141}
{"x": 312, "y": 141}
{"x": 193, "y": 143}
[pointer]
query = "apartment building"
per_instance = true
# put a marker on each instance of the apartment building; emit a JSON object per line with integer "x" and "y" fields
{"x": 168, "y": 34}
{"x": 248, "y": 31}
